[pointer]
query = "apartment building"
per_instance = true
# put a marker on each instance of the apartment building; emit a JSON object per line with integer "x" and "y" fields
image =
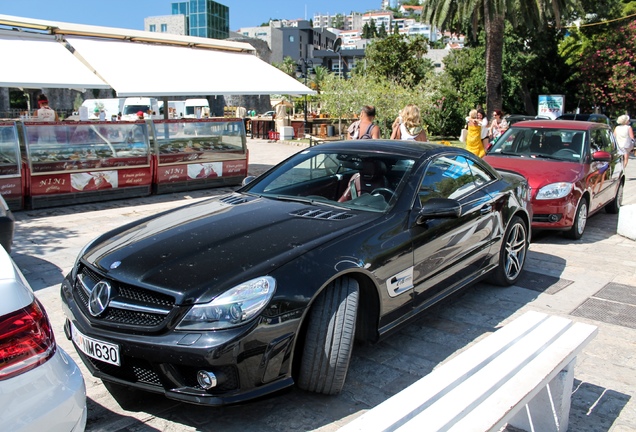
{"x": 352, "y": 21}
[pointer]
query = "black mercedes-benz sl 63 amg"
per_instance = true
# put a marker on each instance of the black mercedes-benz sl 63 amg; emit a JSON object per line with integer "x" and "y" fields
{"x": 241, "y": 295}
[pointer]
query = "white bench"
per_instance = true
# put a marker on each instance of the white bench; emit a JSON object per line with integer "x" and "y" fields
{"x": 521, "y": 375}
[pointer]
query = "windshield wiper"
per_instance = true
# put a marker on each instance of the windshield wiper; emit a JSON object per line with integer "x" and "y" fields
{"x": 503, "y": 153}
{"x": 545, "y": 156}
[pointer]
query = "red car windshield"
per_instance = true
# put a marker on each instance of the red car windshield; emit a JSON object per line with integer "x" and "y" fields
{"x": 560, "y": 144}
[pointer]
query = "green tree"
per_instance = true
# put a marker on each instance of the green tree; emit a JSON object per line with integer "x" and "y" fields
{"x": 607, "y": 69}
{"x": 366, "y": 31}
{"x": 318, "y": 77}
{"x": 373, "y": 29}
{"x": 338, "y": 21}
{"x": 382, "y": 33}
{"x": 288, "y": 66}
{"x": 399, "y": 59}
{"x": 491, "y": 15}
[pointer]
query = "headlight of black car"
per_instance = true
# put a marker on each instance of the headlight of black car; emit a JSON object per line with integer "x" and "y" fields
{"x": 235, "y": 307}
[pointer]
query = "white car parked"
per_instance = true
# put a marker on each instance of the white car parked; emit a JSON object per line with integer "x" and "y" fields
{"x": 41, "y": 387}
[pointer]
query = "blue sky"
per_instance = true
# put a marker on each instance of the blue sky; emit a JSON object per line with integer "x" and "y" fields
{"x": 131, "y": 13}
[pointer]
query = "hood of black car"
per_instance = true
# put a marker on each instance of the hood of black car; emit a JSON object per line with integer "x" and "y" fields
{"x": 199, "y": 251}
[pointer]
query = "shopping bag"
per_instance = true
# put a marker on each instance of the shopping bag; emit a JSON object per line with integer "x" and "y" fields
{"x": 462, "y": 135}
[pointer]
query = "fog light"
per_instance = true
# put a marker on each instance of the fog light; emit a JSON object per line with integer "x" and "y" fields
{"x": 554, "y": 217}
{"x": 206, "y": 380}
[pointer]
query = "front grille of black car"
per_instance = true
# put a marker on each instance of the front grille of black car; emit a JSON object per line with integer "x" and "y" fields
{"x": 322, "y": 214}
{"x": 134, "y": 370}
{"x": 125, "y": 295}
{"x": 131, "y": 370}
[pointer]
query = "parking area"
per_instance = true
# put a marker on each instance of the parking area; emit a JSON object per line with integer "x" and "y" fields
{"x": 592, "y": 280}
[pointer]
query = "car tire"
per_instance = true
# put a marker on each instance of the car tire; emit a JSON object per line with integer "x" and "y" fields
{"x": 580, "y": 221}
{"x": 512, "y": 256}
{"x": 329, "y": 339}
{"x": 615, "y": 205}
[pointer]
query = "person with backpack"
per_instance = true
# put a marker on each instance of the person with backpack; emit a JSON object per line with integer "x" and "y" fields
{"x": 365, "y": 128}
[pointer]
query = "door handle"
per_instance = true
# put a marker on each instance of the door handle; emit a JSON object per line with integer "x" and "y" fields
{"x": 486, "y": 209}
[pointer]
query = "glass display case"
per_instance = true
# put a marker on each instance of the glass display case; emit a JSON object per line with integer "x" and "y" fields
{"x": 199, "y": 153}
{"x": 73, "y": 162}
{"x": 11, "y": 182}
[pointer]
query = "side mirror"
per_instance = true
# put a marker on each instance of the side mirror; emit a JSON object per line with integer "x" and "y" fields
{"x": 436, "y": 208}
{"x": 601, "y": 156}
{"x": 247, "y": 180}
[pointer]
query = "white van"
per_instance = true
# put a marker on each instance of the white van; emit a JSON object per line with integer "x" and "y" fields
{"x": 133, "y": 105}
{"x": 177, "y": 109}
{"x": 111, "y": 107}
{"x": 197, "y": 108}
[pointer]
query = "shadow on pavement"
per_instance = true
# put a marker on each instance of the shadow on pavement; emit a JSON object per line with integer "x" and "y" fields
{"x": 101, "y": 418}
{"x": 594, "y": 408}
{"x": 41, "y": 273}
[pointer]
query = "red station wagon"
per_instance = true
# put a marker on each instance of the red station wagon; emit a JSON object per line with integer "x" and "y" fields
{"x": 574, "y": 169}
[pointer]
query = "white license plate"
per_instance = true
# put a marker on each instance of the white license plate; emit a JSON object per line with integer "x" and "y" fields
{"x": 99, "y": 350}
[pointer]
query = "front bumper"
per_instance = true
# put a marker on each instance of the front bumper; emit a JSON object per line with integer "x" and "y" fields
{"x": 249, "y": 361}
{"x": 553, "y": 214}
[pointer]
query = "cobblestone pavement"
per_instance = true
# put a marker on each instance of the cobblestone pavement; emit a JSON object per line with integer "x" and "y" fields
{"x": 563, "y": 277}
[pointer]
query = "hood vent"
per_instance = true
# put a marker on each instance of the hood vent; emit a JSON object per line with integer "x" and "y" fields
{"x": 322, "y": 214}
{"x": 235, "y": 199}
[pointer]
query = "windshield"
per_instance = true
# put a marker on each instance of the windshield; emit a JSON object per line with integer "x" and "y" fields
{"x": 557, "y": 144}
{"x": 134, "y": 109}
{"x": 368, "y": 182}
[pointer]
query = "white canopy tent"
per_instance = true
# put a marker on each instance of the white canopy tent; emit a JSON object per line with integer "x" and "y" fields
{"x": 133, "y": 62}
{"x": 143, "y": 69}
{"x": 40, "y": 61}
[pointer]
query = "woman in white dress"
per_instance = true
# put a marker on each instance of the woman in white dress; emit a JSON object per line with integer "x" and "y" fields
{"x": 624, "y": 137}
{"x": 408, "y": 125}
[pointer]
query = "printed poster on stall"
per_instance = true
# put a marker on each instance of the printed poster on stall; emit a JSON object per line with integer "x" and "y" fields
{"x": 551, "y": 105}
{"x": 198, "y": 171}
{"x": 89, "y": 181}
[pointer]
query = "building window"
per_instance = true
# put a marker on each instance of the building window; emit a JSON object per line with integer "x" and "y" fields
{"x": 153, "y": 28}
{"x": 164, "y": 28}
{"x": 291, "y": 38}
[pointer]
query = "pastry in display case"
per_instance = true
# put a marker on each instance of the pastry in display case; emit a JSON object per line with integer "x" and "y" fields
{"x": 198, "y": 140}
{"x": 198, "y": 153}
{"x": 86, "y": 145}
{"x": 11, "y": 183}
{"x": 9, "y": 149}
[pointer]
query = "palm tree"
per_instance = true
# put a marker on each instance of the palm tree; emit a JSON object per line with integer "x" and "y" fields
{"x": 318, "y": 78}
{"x": 492, "y": 14}
{"x": 288, "y": 66}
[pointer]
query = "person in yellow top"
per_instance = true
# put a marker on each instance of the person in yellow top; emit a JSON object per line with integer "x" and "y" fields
{"x": 474, "y": 142}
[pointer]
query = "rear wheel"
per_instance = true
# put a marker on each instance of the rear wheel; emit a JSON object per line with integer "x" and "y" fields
{"x": 512, "y": 255}
{"x": 329, "y": 339}
{"x": 580, "y": 220}
{"x": 615, "y": 205}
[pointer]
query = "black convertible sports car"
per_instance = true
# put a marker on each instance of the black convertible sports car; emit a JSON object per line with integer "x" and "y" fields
{"x": 238, "y": 296}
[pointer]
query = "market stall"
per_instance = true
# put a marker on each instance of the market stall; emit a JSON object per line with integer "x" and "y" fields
{"x": 76, "y": 162}
{"x": 11, "y": 183}
{"x": 261, "y": 127}
{"x": 198, "y": 153}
